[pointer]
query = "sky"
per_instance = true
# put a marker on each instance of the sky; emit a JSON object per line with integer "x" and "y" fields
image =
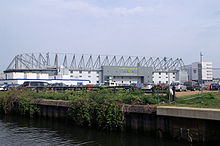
{"x": 158, "y": 28}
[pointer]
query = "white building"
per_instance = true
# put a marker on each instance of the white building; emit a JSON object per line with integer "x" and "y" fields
{"x": 2, "y": 76}
{"x": 207, "y": 74}
{"x": 93, "y": 75}
{"x": 21, "y": 77}
{"x": 164, "y": 77}
{"x": 200, "y": 71}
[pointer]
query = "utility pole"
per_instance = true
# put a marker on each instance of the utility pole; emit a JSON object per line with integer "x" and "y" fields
{"x": 169, "y": 85}
{"x": 201, "y": 55}
{"x": 200, "y": 76}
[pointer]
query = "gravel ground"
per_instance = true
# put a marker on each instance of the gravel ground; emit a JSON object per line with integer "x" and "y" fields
{"x": 188, "y": 93}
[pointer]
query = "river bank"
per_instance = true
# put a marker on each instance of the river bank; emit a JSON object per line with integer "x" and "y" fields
{"x": 181, "y": 123}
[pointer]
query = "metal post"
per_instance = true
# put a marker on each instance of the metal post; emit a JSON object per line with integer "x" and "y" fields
{"x": 115, "y": 90}
{"x": 169, "y": 85}
{"x": 157, "y": 95}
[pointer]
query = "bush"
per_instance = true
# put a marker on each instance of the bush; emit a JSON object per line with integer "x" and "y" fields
{"x": 99, "y": 108}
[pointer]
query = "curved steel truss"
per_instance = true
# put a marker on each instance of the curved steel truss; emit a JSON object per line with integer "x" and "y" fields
{"x": 90, "y": 62}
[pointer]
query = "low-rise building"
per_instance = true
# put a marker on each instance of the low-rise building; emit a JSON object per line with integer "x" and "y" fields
{"x": 200, "y": 72}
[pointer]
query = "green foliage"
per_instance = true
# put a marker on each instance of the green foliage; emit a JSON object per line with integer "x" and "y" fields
{"x": 99, "y": 108}
{"x": 200, "y": 100}
{"x": 18, "y": 101}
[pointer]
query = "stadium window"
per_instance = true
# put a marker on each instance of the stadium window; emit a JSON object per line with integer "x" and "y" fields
{"x": 80, "y": 72}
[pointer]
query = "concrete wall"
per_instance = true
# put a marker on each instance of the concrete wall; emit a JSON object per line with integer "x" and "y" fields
{"x": 188, "y": 124}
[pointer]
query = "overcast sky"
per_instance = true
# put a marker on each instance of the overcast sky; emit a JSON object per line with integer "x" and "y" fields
{"x": 163, "y": 28}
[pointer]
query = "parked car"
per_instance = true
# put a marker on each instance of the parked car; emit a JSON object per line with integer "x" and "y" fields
{"x": 35, "y": 84}
{"x": 59, "y": 85}
{"x": 148, "y": 86}
{"x": 162, "y": 86}
{"x": 90, "y": 86}
{"x": 214, "y": 86}
{"x": 100, "y": 84}
{"x": 3, "y": 87}
{"x": 204, "y": 87}
{"x": 13, "y": 85}
{"x": 136, "y": 85}
{"x": 192, "y": 85}
{"x": 179, "y": 86}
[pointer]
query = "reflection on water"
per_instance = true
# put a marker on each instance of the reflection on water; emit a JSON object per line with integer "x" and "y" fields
{"x": 16, "y": 130}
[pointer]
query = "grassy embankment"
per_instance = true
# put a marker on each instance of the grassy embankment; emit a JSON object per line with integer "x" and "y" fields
{"x": 98, "y": 108}
{"x": 93, "y": 108}
{"x": 205, "y": 100}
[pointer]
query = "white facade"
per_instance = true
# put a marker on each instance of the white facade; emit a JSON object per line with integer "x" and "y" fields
{"x": 164, "y": 77}
{"x": 200, "y": 71}
{"x": 93, "y": 75}
{"x": 126, "y": 80}
{"x": 21, "y": 75}
{"x": 182, "y": 76}
{"x": 2, "y": 76}
{"x": 51, "y": 81}
{"x": 15, "y": 75}
{"x": 195, "y": 71}
{"x": 207, "y": 71}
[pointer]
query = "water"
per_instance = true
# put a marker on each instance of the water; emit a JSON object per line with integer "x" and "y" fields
{"x": 15, "y": 130}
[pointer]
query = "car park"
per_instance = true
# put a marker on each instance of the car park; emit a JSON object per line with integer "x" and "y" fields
{"x": 179, "y": 86}
{"x": 32, "y": 84}
{"x": 204, "y": 87}
{"x": 214, "y": 86}
{"x": 3, "y": 87}
{"x": 136, "y": 85}
{"x": 58, "y": 85}
{"x": 192, "y": 85}
{"x": 161, "y": 86}
{"x": 148, "y": 86}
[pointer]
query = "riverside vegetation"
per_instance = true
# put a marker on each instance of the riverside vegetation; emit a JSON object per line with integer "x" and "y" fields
{"x": 94, "y": 108}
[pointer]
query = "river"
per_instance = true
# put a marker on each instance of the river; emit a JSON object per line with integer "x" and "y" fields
{"x": 16, "y": 130}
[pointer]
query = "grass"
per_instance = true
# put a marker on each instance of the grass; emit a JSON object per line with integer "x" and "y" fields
{"x": 205, "y": 100}
{"x": 137, "y": 97}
